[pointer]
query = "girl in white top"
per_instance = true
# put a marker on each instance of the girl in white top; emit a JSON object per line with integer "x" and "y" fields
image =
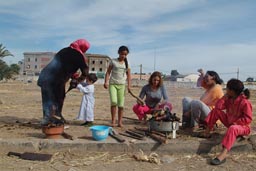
{"x": 87, "y": 104}
{"x": 115, "y": 79}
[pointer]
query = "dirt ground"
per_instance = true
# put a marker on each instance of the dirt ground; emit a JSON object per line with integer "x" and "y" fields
{"x": 21, "y": 113}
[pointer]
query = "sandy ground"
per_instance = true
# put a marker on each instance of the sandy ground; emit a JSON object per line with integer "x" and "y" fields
{"x": 21, "y": 104}
{"x": 21, "y": 113}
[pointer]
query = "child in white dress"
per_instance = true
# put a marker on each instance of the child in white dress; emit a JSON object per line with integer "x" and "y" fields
{"x": 86, "y": 112}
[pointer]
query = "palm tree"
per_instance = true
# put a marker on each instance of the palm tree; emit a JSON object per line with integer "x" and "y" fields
{"x": 4, "y": 52}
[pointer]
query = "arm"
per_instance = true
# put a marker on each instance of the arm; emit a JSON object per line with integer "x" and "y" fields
{"x": 83, "y": 75}
{"x": 84, "y": 89}
{"x": 246, "y": 116}
{"x": 129, "y": 79}
{"x": 84, "y": 69}
{"x": 165, "y": 96}
{"x": 142, "y": 92}
{"x": 107, "y": 75}
{"x": 221, "y": 103}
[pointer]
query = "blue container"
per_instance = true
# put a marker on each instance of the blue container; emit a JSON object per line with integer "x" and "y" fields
{"x": 100, "y": 132}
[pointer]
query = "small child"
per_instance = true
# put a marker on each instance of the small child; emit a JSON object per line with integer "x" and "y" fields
{"x": 234, "y": 110}
{"x": 87, "y": 103}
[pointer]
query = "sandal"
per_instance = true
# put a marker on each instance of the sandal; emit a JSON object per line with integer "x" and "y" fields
{"x": 217, "y": 161}
{"x": 87, "y": 124}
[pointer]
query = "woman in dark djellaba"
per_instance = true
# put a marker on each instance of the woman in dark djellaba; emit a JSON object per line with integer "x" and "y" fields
{"x": 54, "y": 76}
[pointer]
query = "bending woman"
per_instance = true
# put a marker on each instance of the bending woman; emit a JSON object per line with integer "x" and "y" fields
{"x": 153, "y": 93}
{"x": 54, "y": 76}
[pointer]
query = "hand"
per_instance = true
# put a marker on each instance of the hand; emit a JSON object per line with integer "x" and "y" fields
{"x": 140, "y": 102}
{"x": 75, "y": 76}
{"x": 73, "y": 83}
{"x": 157, "y": 107}
{"x": 129, "y": 90}
{"x": 105, "y": 85}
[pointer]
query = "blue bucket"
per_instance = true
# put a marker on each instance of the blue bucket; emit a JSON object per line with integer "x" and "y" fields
{"x": 100, "y": 132}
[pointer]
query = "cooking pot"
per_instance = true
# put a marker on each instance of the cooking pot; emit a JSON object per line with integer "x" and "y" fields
{"x": 163, "y": 126}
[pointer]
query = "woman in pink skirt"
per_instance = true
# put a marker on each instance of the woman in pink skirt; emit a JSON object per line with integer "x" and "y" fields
{"x": 153, "y": 93}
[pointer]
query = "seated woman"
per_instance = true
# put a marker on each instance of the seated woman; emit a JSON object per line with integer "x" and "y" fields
{"x": 153, "y": 93}
{"x": 195, "y": 111}
{"x": 234, "y": 110}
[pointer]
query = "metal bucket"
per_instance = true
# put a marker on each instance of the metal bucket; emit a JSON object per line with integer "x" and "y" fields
{"x": 163, "y": 126}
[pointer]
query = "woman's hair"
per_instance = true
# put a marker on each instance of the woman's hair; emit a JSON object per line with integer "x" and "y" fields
{"x": 121, "y": 49}
{"x": 238, "y": 87}
{"x": 153, "y": 75}
{"x": 215, "y": 76}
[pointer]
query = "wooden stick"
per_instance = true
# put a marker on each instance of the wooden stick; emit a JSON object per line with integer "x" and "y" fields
{"x": 134, "y": 134}
{"x": 158, "y": 138}
{"x": 131, "y": 136}
{"x": 140, "y": 101}
{"x": 141, "y": 129}
{"x": 115, "y": 135}
{"x": 158, "y": 133}
{"x": 56, "y": 117}
{"x": 67, "y": 136}
{"x": 142, "y": 133}
{"x": 133, "y": 119}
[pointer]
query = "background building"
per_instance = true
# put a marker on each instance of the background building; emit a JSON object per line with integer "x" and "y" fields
{"x": 98, "y": 64}
{"x": 34, "y": 62}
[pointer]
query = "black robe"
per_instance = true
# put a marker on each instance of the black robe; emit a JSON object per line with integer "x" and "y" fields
{"x": 54, "y": 76}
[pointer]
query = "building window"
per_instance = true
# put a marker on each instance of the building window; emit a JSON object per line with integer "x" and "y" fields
{"x": 93, "y": 69}
{"x": 35, "y": 66}
{"x": 101, "y": 62}
{"x": 28, "y": 66}
{"x": 28, "y": 59}
{"x": 93, "y": 62}
{"x": 35, "y": 59}
{"x": 100, "y": 69}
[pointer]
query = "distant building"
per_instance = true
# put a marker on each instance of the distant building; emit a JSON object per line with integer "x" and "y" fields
{"x": 98, "y": 64}
{"x": 142, "y": 76}
{"x": 34, "y": 62}
{"x": 189, "y": 78}
{"x": 182, "y": 78}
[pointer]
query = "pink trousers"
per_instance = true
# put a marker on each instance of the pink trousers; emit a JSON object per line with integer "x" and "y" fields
{"x": 232, "y": 130}
{"x": 142, "y": 111}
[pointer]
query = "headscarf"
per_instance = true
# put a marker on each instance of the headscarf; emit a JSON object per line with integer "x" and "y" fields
{"x": 81, "y": 45}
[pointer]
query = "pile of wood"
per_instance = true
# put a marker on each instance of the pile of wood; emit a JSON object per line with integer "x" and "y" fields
{"x": 165, "y": 115}
{"x": 140, "y": 134}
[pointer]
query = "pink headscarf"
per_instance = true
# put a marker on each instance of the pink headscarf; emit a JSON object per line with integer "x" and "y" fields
{"x": 81, "y": 45}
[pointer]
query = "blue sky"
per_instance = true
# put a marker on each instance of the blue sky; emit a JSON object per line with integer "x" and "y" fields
{"x": 163, "y": 35}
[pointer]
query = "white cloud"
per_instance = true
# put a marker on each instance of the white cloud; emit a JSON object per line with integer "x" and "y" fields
{"x": 171, "y": 28}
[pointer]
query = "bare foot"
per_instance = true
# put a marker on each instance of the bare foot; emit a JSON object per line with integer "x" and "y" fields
{"x": 223, "y": 154}
{"x": 113, "y": 125}
{"x": 120, "y": 125}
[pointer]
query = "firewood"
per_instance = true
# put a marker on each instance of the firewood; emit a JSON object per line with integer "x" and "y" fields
{"x": 139, "y": 100}
{"x": 158, "y": 138}
{"x": 159, "y": 133}
{"x": 134, "y": 134}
